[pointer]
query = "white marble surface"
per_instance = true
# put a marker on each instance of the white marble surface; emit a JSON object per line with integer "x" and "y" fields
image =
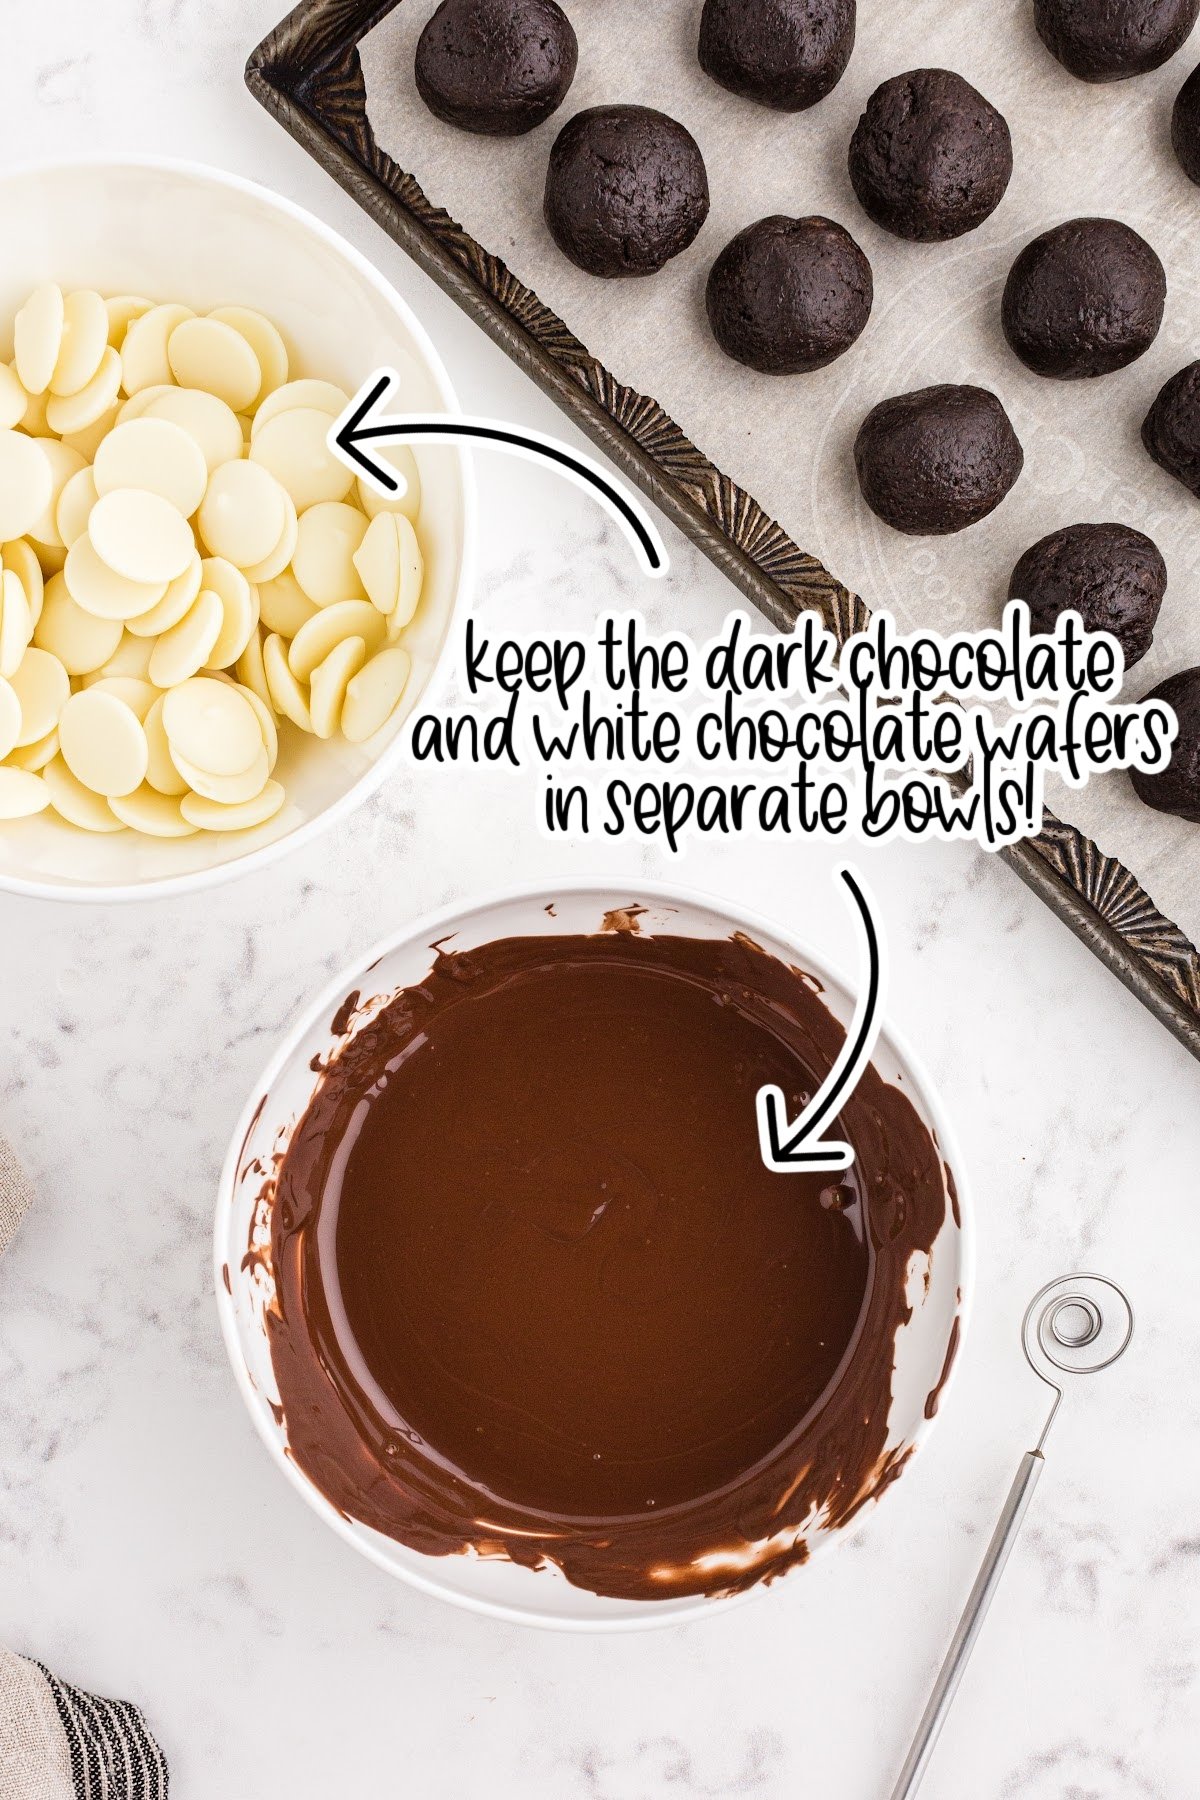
{"x": 148, "y": 1548}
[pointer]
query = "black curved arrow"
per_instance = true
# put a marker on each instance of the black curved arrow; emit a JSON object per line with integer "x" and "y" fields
{"x": 795, "y": 1146}
{"x": 359, "y": 425}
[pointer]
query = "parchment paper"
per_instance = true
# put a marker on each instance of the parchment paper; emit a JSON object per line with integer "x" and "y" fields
{"x": 1078, "y": 150}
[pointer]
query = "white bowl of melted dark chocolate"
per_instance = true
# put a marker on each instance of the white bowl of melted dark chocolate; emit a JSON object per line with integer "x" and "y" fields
{"x": 514, "y": 1299}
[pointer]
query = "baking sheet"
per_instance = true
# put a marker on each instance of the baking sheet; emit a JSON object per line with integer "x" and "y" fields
{"x": 1077, "y": 150}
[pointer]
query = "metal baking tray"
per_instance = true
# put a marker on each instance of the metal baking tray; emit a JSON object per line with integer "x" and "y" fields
{"x": 308, "y": 75}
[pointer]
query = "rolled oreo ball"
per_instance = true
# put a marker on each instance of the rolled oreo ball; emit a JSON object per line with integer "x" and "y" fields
{"x": 1185, "y": 127}
{"x": 1176, "y": 789}
{"x": 1171, "y": 430}
{"x": 1109, "y": 40}
{"x": 498, "y": 67}
{"x": 937, "y": 460}
{"x": 1084, "y": 299}
{"x": 626, "y": 190}
{"x": 789, "y": 295}
{"x": 930, "y": 157}
{"x": 783, "y": 53}
{"x": 1112, "y": 576}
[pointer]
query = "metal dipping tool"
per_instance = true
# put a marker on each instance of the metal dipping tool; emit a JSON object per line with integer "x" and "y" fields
{"x": 1077, "y": 1325}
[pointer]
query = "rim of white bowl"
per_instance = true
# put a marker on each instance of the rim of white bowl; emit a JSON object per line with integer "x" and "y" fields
{"x": 433, "y": 925}
{"x": 372, "y": 778}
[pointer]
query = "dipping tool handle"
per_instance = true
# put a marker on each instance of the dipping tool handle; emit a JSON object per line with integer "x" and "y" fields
{"x": 970, "y": 1625}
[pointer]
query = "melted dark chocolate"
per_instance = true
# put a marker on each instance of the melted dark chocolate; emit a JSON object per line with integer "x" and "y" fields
{"x": 537, "y": 1294}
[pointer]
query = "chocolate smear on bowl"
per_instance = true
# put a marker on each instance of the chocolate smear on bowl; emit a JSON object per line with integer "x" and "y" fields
{"x": 623, "y": 918}
{"x": 537, "y": 1295}
{"x": 934, "y": 1397}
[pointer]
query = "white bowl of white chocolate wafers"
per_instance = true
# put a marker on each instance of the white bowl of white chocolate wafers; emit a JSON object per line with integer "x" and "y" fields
{"x": 211, "y": 632}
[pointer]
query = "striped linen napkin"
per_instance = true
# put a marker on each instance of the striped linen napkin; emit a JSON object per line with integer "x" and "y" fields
{"x": 56, "y": 1742}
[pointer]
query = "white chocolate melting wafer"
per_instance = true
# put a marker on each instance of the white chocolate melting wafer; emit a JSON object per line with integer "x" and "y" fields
{"x": 76, "y": 412}
{"x": 377, "y": 560}
{"x": 151, "y": 813}
{"x": 122, "y": 310}
{"x": 37, "y": 337}
{"x": 210, "y": 815}
{"x": 330, "y": 679}
{"x": 174, "y": 604}
{"x": 34, "y": 757}
{"x": 33, "y": 421}
{"x": 239, "y": 606}
{"x": 89, "y": 440}
{"x": 144, "y": 360}
{"x": 77, "y": 804}
{"x": 100, "y": 590}
{"x": 63, "y": 463}
{"x": 161, "y": 772}
{"x": 412, "y": 576}
{"x": 140, "y": 535}
{"x": 138, "y": 694}
{"x": 211, "y": 424}
{"x": 10, "y": 719}
{"x": 284, "y": 606}
{"x": 403, "y": 464}
{"x": 323, "y": 563}
{"x": 21, "y": 794}
{"x": 75, "y": 504}
{"x": 251, "y": 672}
{"x": 43, "y": 687}
{"x": 179, "y": 653}
{"x": 156, "y": 455}
{"x": 294, "y": 447}
{"x": 102, "y": 742}
{"x": 277, "y": 561}
{"x": 16, "y": 623}
{"x": 212, "y": 725}
{"x": 265, "y": 714}
{"x": 348, "y": 618}
{"x": 324, "y": 396}
{"x": 287, "y": 695}
{"x": 205, "y": 354}
{"x": 13, "y": 398}
{"x": 373, "y": 695}
{"x": 26, "y": 485}
{"x": 227, "y": 790}
{"x": 131, "y": 657}
{"x": 137, "y": 405}
{"x": 266, "y": 341}
{"x": 81, "y": 641}
{"x": 243, "y": 515}
{"x": 21, "y": 558}
{"x": 82, "y": 344}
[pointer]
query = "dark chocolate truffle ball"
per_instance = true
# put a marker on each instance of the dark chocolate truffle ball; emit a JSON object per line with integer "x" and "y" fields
{"x": 1176, "y": 789}
{"x": 1185, "y": 127}
{"x": 784, "y": 53}
{"x": 937, "y": 460}
{"x": 498, "y": 67}
{"x": 626, "y": 190}
{"x": 1112, "y": 576}
{"x": 1108, "y": 40}
{"x": 1084, "y": 299}
{"x": 930, "y": 158}
{"x": 1171, "y": 430}
{"x": 789, "y": 295}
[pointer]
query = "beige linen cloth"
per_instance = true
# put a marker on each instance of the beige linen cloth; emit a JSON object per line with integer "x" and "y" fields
{"x": 57, "y": 1742}
{"x": 14, "y": 1198}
